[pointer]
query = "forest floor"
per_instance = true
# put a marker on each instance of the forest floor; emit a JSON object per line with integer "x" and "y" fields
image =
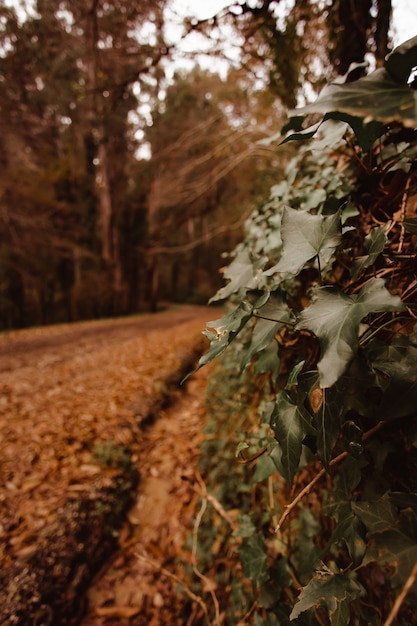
{"x": 84, "y": 409}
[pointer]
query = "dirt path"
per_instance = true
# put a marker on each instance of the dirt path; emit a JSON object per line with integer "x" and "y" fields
{"x": 137, "y": 588}
{"x": 71, "y": 398}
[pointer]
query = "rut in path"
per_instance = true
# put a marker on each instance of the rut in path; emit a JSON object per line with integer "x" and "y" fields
{"x": 136, "y": 587}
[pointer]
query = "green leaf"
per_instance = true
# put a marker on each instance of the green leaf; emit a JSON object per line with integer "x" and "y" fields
{"x": 394, "y": 365}
{"x": 265, "y": 467}
{"x": 398, "y": 547}
{"x": 290, "y": 425}
{"x": 305, "y": 237}
{"x": 254, "y": 559}
{"x": 278, "y": 313}
{"x": 225, "y": 331}
{"x": 292, "y": 380}
{"x": 306, "y": 133}
{"x": 401, "y": 61}
{"x": 410, "y": 224}
{"x": 327, "y": 422}
{"x": 352, "y": 532}
{"x": 335, "y": 320}
{"x": 268, "y": 361}
{"x": 341, "y": 616}
{"x": 366, "y": 132}
{"x": 243, "y": 274}
{"x": 307, "y": 554}
{"x": 240, "y": 447}
{"x": 374, "y": 244}
{"x": 377, "y": 96}
{"x": 378, "y": 515}
{"x": 326, "y": 589}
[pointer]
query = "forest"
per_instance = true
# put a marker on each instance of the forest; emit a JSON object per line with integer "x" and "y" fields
{"x": 283, "y": 190}
{"x": 125, "y": 179}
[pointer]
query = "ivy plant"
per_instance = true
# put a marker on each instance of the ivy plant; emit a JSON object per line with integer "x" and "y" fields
{"x": 322, "y": 296}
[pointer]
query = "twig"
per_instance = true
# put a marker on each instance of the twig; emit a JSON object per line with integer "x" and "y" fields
{"x": 200, "y": 575}
{"x": 305, "y": 491}
{"x": 244, "y": 619}
{"x": 317, "y": 477}
{"x": 400, "y": 599}
{"x": 244, "y": 461}
{"x": 169, "y": 574}
{"x": 403, "y": 214}
{"x": 213, "y": 500}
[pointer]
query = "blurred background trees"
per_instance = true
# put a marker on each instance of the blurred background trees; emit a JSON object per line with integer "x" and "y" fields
{"x": 122, "y": 183}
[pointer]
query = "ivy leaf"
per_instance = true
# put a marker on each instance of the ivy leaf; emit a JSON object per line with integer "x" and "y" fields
{"x": 400, "y": 62}
{"x": 398, "y": 546}
{"x": 268, "y": 361}
{"x": 341, "y": 616}
{"x": 378, "y": 515}
{"x": 305, "y": 237}
{"x": 278, "y": 314}
{"x": 352, "y": 531}
{"x": 243, "y": 274}
{"x": 254, "y": 559}
{"x": 328, "y": 421}
{"x": 225, "y": 330}
{"x": 374, "y": 244}
{"x": 327, "y": 407}
{"x": 377, "y": 96}
{"x": 335, "y": 319}
{"x": 290, "y": 425}
{"x": 394, "y": 365}
{"x": 410, "y": 224}
{"x": 326, "y": 589}
{"x": 307, "y": 554}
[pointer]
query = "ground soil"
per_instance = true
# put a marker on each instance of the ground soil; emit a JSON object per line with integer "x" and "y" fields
{"x": 72, "y": 398}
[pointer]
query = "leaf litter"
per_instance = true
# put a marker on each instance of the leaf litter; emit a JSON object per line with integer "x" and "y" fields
{"x": 74, "y": 400}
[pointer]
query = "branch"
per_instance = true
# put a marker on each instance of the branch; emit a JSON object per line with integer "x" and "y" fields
{"x": 322, "y": 472}
{"x": 207, "y": 583}
{"x": 400, "y": 599}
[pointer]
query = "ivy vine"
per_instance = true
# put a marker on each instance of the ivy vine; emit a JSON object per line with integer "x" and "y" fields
{"x": 322, "y": 300}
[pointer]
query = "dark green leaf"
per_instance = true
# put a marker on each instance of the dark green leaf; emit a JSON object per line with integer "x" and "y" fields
{"x": 254, "y": 559}
{"x": 327, "y": 421}
{"x": 374, "y": 244}
{"x": 366, "y": 132}
{"x": 268, "y": 361}
{"x": 271, "y": 316}
{"x": 377, "y": 96}
{"x": 377, "y": 516}
{"x": 290, "y": 425}
{"x": 401, "y": 61}
{"x": 305, "y": 237}
{"x": 306, "y": 551}
{"x": 352, "y": 532}
{"x": 265, "y": 467}
{"x": 394, "y": 365}
{"x": 306, "y": 133}
{"x": 335, "y": 319}
{"x": 403, "y": 500}
{"x": 410, "y": 224}
{"x": 262, "y": 335}
{"x": 328, "y": 590}
{"x": 293, "y": 375}
{"x": 341, "y": 616}
{"x": 398, "y": 547}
